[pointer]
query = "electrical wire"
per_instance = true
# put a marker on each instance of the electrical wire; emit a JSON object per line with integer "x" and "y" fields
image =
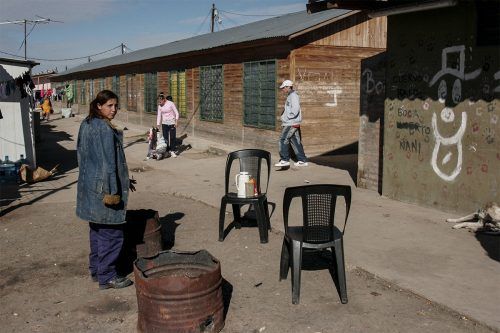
{"x": 227, "y": 12}
{"x": 225, "y": 17}
{"x": 24, "y": 40}
{"x": 78, "y": 58}
{"x": 203, "y": 23}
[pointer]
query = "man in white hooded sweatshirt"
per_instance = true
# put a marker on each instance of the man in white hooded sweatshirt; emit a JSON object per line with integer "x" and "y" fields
{"x": 290, "y": 127}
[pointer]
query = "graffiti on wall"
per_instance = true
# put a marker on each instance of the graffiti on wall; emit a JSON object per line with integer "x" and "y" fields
{"x": 337, "y": 90}
{"x": 319, "y": 85}
{"x": 450, "y": 98}
{"x": 372, "y": 86}
{"x": 315, "y": 84}
{"x": 464, "y": 112}
{"x": 496, "y": 76}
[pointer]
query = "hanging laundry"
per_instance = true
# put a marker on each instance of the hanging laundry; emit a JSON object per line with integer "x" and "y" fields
{"x": 68, "y": 91}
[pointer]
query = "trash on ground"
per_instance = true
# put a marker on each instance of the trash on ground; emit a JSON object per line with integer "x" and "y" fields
{"x": 29, "y": 175}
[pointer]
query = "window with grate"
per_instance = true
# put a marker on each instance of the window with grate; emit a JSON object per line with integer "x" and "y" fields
{"x": 83, "y": 92}
{"x": 211, "y": 93}
{"x": 101, "y": 84}
{"x": 259, "y": 94}
{"x": 115, "y": 85}
{"x": 150, "y": 93}
{"x": 131, "y": 92}
{"x": 75, "y": 91}
{"x": 178, "y": 91}
{"x": 91, "y": 90}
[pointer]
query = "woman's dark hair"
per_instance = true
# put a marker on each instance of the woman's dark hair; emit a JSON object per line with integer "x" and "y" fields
{"x": 169, "y": 98}
{"x": 101, "y": 99}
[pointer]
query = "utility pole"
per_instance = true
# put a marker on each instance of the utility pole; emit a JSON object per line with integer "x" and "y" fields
{"x": 25, "y": 22}
{"x": 25, "y": 49}
{"x": 212, "y": 21}
{"x": 123, "y": 48}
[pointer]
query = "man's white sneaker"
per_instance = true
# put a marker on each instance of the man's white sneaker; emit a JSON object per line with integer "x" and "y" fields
{"x": 301, "y": 164}
{"x": 172, "y": 154}
{"x": 282, "y": 163}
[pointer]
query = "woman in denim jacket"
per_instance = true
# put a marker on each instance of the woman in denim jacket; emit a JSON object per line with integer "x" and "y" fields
{"x": 102, "y": 191}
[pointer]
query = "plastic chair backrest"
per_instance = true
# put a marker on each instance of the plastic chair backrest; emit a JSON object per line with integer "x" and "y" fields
{"x": 250, "y": 160}
{"x": 318, "y": 207}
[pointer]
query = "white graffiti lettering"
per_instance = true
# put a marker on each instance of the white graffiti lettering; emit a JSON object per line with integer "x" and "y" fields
{"x": 336, "y": 91}
{"x": 372, "y": 86}
{"x": 497, "y": 77}
{"x": 456, "y": 139}
{"x": 460, "y": 72}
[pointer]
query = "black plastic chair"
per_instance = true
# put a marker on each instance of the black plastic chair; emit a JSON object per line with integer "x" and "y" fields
{"x": 250, "y": 160}
{"x": 318, "y": 232}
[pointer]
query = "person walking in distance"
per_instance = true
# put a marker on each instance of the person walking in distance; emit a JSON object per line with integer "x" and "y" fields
{"x": 167, "y": 117}
{"x": 46, "y": 107}
{"x": 290, "y": 128}
{"x": 103, "y": 188}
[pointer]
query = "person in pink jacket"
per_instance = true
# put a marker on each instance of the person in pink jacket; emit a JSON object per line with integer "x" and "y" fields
{"x": 167, "y": 118}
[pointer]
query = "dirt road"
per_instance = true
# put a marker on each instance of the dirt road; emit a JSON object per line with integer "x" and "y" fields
{"x": 45, "y": 286}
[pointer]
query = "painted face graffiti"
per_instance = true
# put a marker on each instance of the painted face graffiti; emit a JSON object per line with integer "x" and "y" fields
{"x": 449, "y": 97}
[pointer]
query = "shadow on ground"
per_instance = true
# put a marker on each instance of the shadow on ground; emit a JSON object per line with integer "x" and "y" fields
{"x": 315, "y": 260}
{"x": 145, "y": 234}
{"x": 344, "y": 158}
{"x": 50, "y": 152}
{"x": 491, "y": 244}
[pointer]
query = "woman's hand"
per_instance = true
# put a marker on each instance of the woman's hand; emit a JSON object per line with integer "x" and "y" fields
{"x": 132, "y": 182}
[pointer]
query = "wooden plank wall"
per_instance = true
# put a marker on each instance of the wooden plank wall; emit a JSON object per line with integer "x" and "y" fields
{"x": 231, "y": 130}
{"x": 163, "y": 82}
{"x": 356, "y": 31}
{"x": 327, "y": 79}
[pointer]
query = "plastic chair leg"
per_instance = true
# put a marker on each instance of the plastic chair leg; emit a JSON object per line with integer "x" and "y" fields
{"x": 296, "y": 270}
{"x": 268, "y": 218}
{"x": 261, "y": 221}
{"x": 237, "y": 216}
{"x": 339, "y": 258}
{"x": 284, "y": 260}
{"x": 222, "y": 215}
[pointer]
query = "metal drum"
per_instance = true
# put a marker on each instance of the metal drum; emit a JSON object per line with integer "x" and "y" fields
{"x": 179, "y": 292}
{"x": 144, "y": 232}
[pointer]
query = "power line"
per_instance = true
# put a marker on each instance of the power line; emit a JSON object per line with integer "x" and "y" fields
{"x": 77, "y": 58}
{"x": 29, "y": 33}
{"x": 26, "y": 22}
{"x": 239, "y": 14}
{"x": 225, "y": 17}
{"x": 203, "y": 23}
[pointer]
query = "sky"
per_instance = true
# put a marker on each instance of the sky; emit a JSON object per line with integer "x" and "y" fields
{"x": 88, "y": 27}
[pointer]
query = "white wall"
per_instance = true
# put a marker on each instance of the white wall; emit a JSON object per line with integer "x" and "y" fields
{"x": 16, "y": 127}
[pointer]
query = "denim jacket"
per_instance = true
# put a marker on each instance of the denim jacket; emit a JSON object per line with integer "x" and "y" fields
{"x": 103, "y": 170}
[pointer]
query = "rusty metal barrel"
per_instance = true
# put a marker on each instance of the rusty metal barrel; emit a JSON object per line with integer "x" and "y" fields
{"x": 179, "y": 292}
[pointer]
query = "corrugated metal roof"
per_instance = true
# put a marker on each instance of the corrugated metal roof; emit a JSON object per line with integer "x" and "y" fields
{"x": 281, "y": 26}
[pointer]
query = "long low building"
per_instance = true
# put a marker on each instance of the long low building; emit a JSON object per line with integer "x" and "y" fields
{"x": 225, "y": 83}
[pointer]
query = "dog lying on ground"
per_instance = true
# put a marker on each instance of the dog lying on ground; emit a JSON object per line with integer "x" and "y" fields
{"x": 486, "y": 219}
